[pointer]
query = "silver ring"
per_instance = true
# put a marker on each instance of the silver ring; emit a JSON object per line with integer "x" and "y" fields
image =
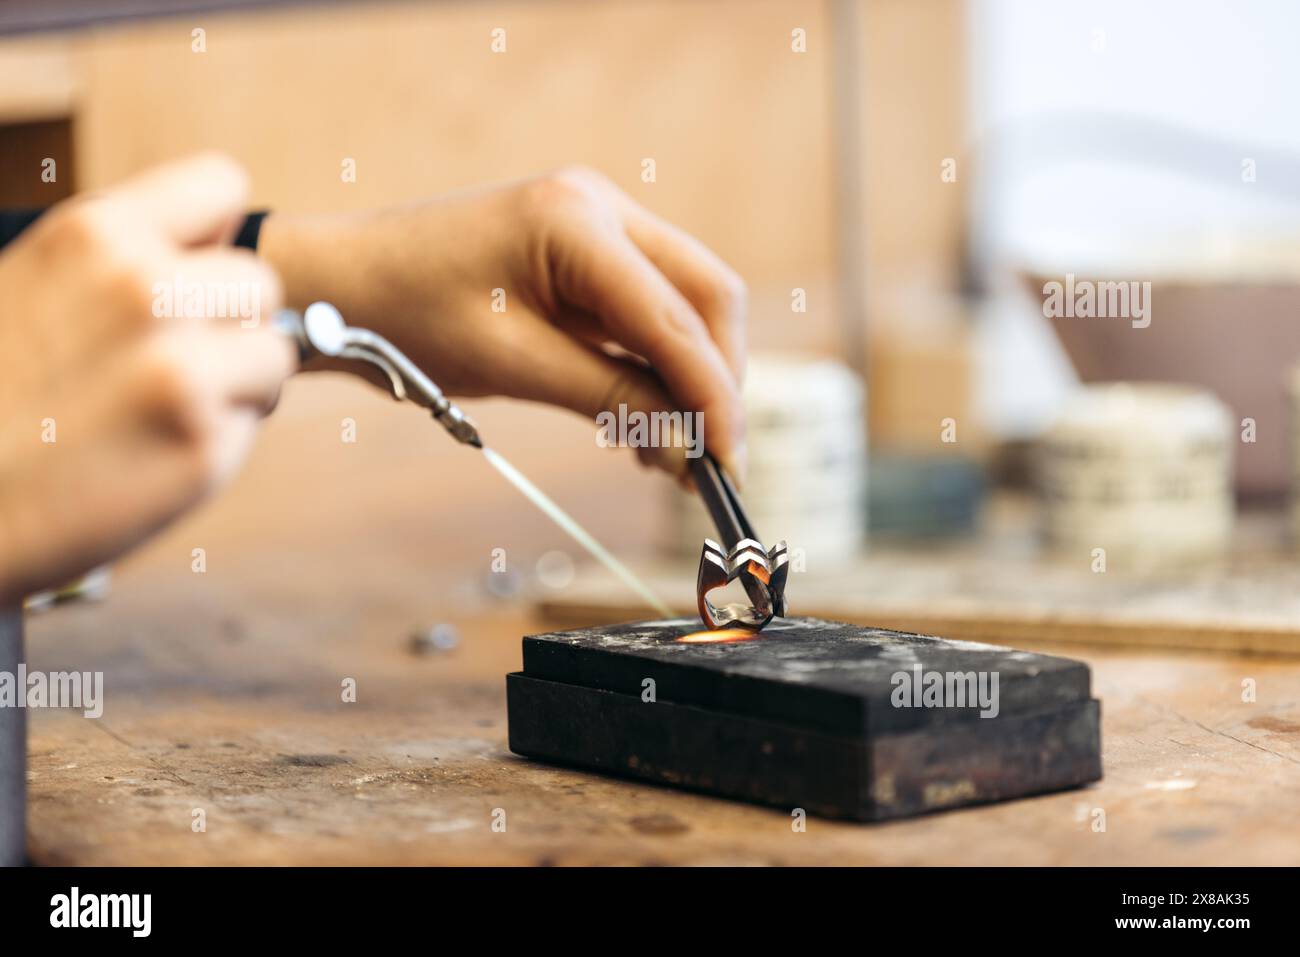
{"x": 763, "y": 573}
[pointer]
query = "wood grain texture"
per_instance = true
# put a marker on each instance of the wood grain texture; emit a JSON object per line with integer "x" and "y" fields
{"x": 223, "y": 693}
{"x": 250, "y": 729}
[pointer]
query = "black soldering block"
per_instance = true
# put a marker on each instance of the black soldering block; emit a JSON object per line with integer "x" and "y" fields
{"x": 840, "y": 720}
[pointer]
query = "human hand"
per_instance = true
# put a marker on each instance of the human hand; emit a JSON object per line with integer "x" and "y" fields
{"x": 123, "y": 404}
{"x": 585, "y": 277}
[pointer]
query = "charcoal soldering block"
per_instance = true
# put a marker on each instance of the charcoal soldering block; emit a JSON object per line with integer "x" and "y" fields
{"x": 840, "y": 720}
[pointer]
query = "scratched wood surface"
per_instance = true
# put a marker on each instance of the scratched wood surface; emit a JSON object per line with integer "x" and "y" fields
{"x": 223, "y": 692}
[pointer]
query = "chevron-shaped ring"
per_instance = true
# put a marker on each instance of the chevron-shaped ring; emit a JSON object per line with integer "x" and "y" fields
{"x": 763, "y": 573}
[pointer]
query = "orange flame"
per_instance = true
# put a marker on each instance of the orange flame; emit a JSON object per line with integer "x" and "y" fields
{"x": 720, "y": 636}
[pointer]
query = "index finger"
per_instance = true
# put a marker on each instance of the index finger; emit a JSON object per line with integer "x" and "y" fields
{"x": 712, "y": 286}
{"x": 609, "y": 276}
{"x": 192, "y": 201}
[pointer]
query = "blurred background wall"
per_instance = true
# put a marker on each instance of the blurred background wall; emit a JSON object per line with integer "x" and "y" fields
{"x": 746, "y": 125}
{"x": 914, "y": 170}
{"x": 1157, "y": 142}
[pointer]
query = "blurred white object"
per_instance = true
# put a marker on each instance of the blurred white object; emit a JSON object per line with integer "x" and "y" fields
{"x": 92, "y": 586}
{"x": 1151, "y": 141}
{"x": 1293, "y": 402}
{"x": 806, "y": 433}
{"x": 1142, "y": 471}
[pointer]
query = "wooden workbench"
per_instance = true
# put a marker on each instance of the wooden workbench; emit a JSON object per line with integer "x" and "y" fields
{"x": 224, "y": 693}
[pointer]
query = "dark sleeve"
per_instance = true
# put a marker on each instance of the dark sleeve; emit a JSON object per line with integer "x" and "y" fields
{"x": 14, "y": 221}
{"x": 250, "y": 229}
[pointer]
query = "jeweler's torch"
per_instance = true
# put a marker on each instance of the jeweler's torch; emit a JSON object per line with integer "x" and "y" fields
{"x": 320, "y": 331}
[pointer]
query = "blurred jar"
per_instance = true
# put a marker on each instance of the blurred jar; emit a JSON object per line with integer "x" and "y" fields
{"x": 1293, "y": 403}
{"x": 806, "y": 434}
{"x": 1141, "y": 471}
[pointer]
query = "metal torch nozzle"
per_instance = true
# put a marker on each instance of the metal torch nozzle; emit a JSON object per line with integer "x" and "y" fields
{"x": 320, "y": 330}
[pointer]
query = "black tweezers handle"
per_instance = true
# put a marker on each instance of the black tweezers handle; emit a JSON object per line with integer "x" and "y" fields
{"x": 721, "y": 500}
{"x": 724, "y": 506}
